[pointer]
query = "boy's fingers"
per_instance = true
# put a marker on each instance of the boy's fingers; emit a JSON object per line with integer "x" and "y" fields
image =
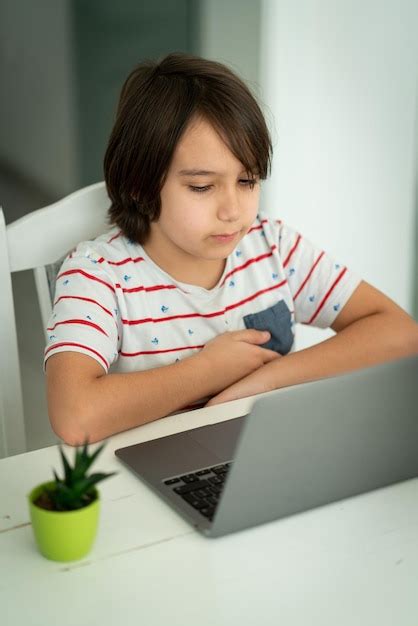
{"x": 251, "y": 335}
{"x": 270, "y": 355}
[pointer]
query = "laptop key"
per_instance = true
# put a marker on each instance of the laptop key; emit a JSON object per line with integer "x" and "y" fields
{"x": 189, "y": 497}
{"x": 215, "y": 489}
{"x": 196, "y": 504}
{"x": 219, "y": 469}
{"x": 215, "y": 480}
{"x": 208, "y": 512}
{"x": 202, "y": 492}
{"x": 191, "y": 486}
{"x": 202, "y": 472}
{"x": 189, "y": 478}
{"x": 171, "y": 481}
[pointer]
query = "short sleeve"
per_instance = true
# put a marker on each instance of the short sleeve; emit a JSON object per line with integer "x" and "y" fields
{"x": 320, "y": 285}
{"x": 85, "y": 316}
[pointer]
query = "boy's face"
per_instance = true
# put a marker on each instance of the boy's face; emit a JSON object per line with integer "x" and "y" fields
{"x": 203, "y": 215}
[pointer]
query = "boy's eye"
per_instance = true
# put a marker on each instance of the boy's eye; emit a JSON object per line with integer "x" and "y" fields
{"x": 245, "y": 182}
{"x": 249, "y": 182}
{"x": 199, "y": 189}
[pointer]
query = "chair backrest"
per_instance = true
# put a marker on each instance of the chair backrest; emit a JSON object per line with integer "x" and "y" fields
{"x": 36, "y": 241}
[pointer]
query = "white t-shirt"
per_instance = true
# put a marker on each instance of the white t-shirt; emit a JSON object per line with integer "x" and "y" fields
{"x": 114, "y": 304}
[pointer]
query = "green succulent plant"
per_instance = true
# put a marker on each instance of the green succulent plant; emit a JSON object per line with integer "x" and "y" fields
{"x": 76, "y": 490}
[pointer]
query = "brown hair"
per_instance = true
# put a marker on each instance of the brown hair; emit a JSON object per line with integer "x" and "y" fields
{"x": 157, "y": 102}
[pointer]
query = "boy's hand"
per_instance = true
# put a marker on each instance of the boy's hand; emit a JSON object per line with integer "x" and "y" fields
{"x": 256, "y": 382}
{"x": 234, "y": 355}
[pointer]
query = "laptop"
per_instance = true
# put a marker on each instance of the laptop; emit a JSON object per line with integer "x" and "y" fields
{"x": 299, "y": 448}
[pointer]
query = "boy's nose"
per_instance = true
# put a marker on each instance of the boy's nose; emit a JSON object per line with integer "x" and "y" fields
{"x": 228, "y": 209}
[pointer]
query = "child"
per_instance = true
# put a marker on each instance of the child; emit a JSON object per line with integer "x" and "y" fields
{"x": 194, "y": 293}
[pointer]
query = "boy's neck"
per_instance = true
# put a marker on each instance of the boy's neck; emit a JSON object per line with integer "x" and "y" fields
{"x": 201, "y": 273}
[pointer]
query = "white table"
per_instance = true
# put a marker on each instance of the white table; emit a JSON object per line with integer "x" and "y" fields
{"x": 353, "y": 562}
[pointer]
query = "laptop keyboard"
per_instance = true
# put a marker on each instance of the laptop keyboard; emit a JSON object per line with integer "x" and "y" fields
{"x": 201, "y": 489}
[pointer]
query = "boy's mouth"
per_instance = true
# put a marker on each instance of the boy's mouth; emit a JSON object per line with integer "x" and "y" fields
{"x": 225, "y": 237}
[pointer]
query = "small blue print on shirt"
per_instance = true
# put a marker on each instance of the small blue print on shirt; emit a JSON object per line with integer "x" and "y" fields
{"x": 238, "y": 253}
{"x": 155, "y": 341}
{"x": 292, "y": 271}
{"x": 337, "y": 266}
{"x": 336, "y": 307}
{"x": 274, "y": 276}
{"x": 232, "y": 283}
{"x": 190, "y": 331}
{"x": 126, "y": 278}
{"x": 66, "y": 282}
{"x": 164, "y": 308}
{"x": 311, "y": 298}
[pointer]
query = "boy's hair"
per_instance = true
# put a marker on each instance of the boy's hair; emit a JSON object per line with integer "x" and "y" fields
{"x": 157, "y": 102}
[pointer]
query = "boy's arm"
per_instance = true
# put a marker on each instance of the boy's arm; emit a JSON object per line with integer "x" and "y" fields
{"x": 370, "y": 329}
{"x": 85, "y": 401}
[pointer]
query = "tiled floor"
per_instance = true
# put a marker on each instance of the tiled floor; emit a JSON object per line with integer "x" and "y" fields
{"x": 17, "y": 199}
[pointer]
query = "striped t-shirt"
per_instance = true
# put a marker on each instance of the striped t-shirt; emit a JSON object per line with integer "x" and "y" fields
{"x": 114, "y": 304}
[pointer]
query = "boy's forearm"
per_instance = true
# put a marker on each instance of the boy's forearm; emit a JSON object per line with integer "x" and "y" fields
{"x": 366, "y": 342}
{"x": 116, "y": 402}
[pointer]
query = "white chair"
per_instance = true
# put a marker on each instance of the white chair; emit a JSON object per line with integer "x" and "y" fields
{"x": 35, "y": 241}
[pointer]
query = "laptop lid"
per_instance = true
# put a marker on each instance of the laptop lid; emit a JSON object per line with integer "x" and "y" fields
{"x": 319, "y": 442}
{"x": 300, "y": 447}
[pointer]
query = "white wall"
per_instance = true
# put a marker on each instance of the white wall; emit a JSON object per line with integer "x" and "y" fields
{"x": 340, "y": 79}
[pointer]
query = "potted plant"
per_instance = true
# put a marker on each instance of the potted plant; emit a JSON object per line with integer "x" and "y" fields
{"x": 65, "y": 512}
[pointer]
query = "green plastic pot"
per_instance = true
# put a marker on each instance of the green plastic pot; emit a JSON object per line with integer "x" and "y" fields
{"x": 64, "y": 535}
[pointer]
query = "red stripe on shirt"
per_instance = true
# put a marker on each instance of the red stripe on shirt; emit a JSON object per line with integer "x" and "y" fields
{"x": 77, "y": 345}
{"x": 76, "y": 321}
{"x": 86, "y": 275}
{"x": 308, "y": 276}
{"x": 142, "y": 288}
{"x": 84, "y": 300}
{"x": 289, "y": 256}
{"x": 249, "y": 262}
{"x": 205, "y": 315}
{"x": 255, "y": 295}
{"x": 115, "y": 236}
{"x": 257, "y": 227}
{"x": 325, "y": 298}
{"x": 123, "y": 261}
{"x": 145, "y": 320}
{"x": 160, "y": 351}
